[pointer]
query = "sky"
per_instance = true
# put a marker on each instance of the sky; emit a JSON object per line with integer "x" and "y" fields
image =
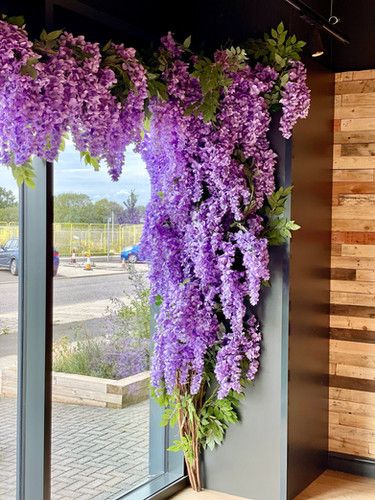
{"x": 72, "y": 176}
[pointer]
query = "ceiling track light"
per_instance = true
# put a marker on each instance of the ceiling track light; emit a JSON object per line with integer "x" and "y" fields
{"x": 317, "y": 48}
{"x": 316, "y": 19}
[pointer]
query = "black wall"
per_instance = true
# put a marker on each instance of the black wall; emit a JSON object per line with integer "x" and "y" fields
{"x": 211, "y": 22}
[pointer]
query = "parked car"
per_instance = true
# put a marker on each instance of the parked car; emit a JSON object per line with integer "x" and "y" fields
{"x": 9, "y": 257}
{"x": 131, "y": 254}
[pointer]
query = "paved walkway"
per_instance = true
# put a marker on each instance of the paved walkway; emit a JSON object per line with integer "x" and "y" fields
{"x": 97, "y": 453}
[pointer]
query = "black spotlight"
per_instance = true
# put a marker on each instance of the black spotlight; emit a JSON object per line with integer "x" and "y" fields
{"x": 317, "y": 48}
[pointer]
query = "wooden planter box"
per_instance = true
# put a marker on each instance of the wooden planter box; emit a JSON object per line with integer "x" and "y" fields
{"x": 84, "y": 390}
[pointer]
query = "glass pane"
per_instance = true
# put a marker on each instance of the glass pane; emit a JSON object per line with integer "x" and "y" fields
{"x": 9, "y": 263}
{"x": 100, "y": 438}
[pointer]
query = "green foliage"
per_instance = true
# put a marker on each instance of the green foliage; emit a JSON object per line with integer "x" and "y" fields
{"x": 47, "y": 44}
{"x": 16, "y": 20}
{"x": 215, "y": 418}
{"x": 79, "y": 357}
{"x": 87, "y": 354}
{"x": 79, "y": 208}
{"x": 213, "y": 81}
{"x": 278, "y": 228}
{"x": 276, "y": 49}
{"x": 103, "y": 208}
{"x": 156, "y": 87}
{"x": 9, "y": 214}
{"x": 135, "y": 315}
{"x": 185, "y": 444}
{"x": 113, "y": 60}
{"x": 29, "y": 68}
{"x": 158, "y": 300}
{"x": 90, "y": 160}
{"x": 7, "y": 198}
{"x": 73, "y": 208}
{"x": 211, "y": 419}
{"x": 24, "y": 174}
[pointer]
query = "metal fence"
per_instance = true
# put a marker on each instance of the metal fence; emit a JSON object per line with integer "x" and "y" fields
{"x": 8, "y": 230}
{"x": 94, "y": 238}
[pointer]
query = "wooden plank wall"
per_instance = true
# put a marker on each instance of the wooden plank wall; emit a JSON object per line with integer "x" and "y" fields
{"x": 352, "y": 344}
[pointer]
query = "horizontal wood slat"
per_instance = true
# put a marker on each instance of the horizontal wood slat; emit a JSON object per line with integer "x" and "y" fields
{"x": 352, "y": 320}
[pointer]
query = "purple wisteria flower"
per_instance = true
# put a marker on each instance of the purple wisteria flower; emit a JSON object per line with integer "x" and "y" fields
{"x": 71, "y": 92}
{"x": 295, "y": 98}
{"x": 205, "y": 246}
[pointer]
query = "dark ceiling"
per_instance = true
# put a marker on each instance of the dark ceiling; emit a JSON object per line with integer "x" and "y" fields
{"x": 211, "y": 22}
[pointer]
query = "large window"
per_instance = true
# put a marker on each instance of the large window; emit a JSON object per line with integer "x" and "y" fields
{"x": 101, "y": 330}
{"x": 85, "y": 425}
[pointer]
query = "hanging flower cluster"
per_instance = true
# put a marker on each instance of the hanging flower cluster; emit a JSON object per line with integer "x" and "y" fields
{"x": 203, "y": 233}
{"x": 295, "y": 98}
{"x": 65, "y": 83}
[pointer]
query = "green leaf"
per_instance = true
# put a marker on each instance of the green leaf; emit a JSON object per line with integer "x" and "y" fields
{"x": 279, "y": 60}
{"x": 280, "y": 28}
{"x": 24, "y": 173}
{"x": 29, "y": 70}
{"x": 53, "y": 35}
{"x": 16, "y": 20}
{"x": 107, "y": 46}
{"x": 43, "y": 35}
{"x": 284, "y": 79}
{"x": 187, "y": 42}
{"x": 62, "y": 144}
{"x": 147, "y": 124}
{"x": 293, "y": 226}
{"x": 158, "y": 300}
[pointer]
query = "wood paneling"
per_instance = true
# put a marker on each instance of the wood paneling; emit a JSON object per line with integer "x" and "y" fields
{"x": 352, "y": 347}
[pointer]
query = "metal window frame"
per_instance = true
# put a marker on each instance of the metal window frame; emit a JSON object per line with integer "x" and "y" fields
{"x": 35, "y": 338}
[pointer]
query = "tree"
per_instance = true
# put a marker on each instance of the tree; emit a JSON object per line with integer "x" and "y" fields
{"x": 103, "y": 209}
{"x": 9, "y": 214}
{"x": 73, "y": 208}
{"x": 132, "y": 213}
{"x": 7, "y": 198}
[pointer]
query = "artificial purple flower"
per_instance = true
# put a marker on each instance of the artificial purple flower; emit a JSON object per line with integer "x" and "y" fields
{"x": 70, "y": 93}
{"x": 295, "y": 98}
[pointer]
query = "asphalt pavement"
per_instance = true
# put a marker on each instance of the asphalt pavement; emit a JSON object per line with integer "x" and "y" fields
{"x": 82, "y": 299}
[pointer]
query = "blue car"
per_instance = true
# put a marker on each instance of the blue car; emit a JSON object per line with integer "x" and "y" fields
{"x": 131, "y": 254}
{"x": 9, "y": 257}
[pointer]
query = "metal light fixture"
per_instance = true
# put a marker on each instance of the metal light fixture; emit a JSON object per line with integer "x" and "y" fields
{"x": 314, "y": 18}
{"x": 317, "y": 48}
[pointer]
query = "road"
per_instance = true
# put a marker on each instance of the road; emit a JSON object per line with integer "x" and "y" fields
{"x": 77, "y": 301}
